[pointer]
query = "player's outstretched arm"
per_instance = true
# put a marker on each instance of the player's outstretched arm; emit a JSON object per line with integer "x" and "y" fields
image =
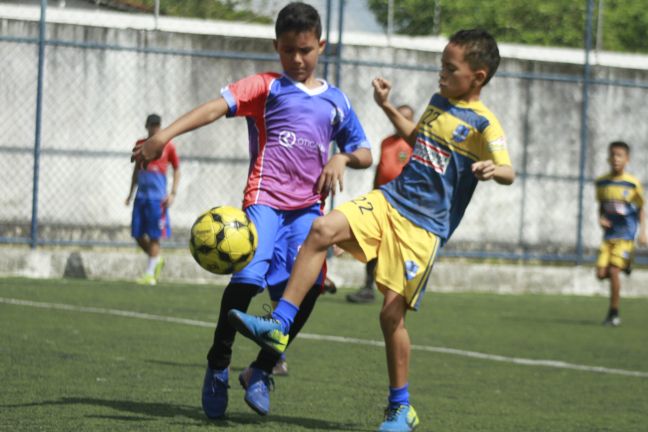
{"x": 332, "y": 176}
{"x": 405, "y": 128}
{"x": 204, "y": 114}
{"x": 487, "y": 170}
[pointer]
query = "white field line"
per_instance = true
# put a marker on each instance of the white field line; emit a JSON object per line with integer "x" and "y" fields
{"x": 340, "y": 339}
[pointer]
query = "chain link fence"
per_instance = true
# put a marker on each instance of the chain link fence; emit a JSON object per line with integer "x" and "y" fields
{"x": 100, "y": 83}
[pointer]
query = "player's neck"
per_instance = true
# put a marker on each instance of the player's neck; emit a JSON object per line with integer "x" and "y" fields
{"x": 617, "y": 173}
{"x": 311, "y": 82}
{"x": 472, "y": 96}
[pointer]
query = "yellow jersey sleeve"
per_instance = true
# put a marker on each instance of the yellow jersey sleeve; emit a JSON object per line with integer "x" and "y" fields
{"x": 495, "y": 143}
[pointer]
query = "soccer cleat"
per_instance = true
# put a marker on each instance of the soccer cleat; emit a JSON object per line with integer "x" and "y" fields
{"x": 158, "y": 269}
{"x": 147, "y": 279}
{"x": 401, "y": 418}
{"x": 329, "y": 286}
{"x": 363, "y": 295}
{"x": 265, "y": 331}
{"x": 614, "y": 321}
{"x": 257, "y": 385}
{"x": 214, "y": 392}
{"x": 281, "y": 368}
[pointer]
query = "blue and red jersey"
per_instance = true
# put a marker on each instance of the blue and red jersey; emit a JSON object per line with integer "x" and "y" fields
{"x": 152, "y": 180}
{"x": 290, "y": 128}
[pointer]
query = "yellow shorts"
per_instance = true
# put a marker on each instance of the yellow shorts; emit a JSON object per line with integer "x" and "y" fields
{"x": 616, "y": 252}
{"x": 405, "y": 251}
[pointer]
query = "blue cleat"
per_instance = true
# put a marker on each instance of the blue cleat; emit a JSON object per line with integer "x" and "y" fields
{"x": 265, "y": 331}
{"x": 401, "y": 418}
{"x": 214, "y": 392}
{"x": 257, "y": 385}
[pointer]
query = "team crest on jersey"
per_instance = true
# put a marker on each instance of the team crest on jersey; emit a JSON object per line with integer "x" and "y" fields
{"x": 460, "y": 133}
{"x": 411, "y": 268}
{"x": 403, "y": 156}
{"x": 337, "y": 116}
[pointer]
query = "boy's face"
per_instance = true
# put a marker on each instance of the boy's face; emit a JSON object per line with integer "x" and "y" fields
{"x": 618, "y": 159}
{"x": 457, "y": 80}
{"x": 298, "y": 53}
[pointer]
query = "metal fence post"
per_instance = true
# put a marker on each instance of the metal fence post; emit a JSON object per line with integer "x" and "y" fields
{"x": 37, "y": 132}
{"x": 327, "y": 48}
{"x": 587, "y": 72}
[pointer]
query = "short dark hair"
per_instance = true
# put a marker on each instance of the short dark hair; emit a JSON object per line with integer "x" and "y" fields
{"x": 298, "y": 17}
{"x": 481, "y": 50}
{"x": 619, "y": 144}
{"x": 153, "y": 120}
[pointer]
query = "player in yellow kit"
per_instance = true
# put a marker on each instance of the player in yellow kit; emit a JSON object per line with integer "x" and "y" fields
{"x": 621, "y": 213}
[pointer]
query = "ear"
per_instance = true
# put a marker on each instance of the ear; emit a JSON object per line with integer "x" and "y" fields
{"x": 480, "y": 77}
{"x": 275, "y": 44}
{"x": 322, "y": 45}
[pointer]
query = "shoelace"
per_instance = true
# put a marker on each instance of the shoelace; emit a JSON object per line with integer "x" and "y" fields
{"x": 392, "y": 413}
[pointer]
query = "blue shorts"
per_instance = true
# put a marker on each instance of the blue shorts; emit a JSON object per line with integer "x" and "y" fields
{"x": 150, "y": 218}
{"x": 281, "y": 234}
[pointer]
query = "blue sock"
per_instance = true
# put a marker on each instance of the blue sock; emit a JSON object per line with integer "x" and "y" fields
{"x": 285, "y": 313}
{"x": 399, "y": 396}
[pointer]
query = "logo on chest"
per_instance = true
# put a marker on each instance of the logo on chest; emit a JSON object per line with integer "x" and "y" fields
{"x": 290, "y": 140}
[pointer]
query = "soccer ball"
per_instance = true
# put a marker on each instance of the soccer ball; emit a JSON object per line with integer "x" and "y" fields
{"x": 223, "y": 240}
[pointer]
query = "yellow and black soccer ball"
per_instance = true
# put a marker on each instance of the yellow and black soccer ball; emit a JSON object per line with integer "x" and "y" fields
{"x": 223, "y": 240}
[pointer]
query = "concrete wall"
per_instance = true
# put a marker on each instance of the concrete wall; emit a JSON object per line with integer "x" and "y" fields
{"x": 95, "y": 102}
{"x": 448, "y": 275}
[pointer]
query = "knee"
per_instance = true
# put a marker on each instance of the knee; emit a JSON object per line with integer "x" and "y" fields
{"x": 390, "y": 320}
{"x": 322, "y": 232}
{"x": 601, "y": 273}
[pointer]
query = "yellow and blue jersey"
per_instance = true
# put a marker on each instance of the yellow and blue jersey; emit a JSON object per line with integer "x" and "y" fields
{"x": 621, "y": 199}
{"x": 436, "y": 185}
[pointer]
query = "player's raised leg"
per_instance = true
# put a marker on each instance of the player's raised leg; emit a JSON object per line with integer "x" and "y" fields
{"x": 272, "y": 332}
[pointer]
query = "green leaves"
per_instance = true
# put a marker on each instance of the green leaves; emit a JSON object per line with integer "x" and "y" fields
{"x": 546, "y": 22}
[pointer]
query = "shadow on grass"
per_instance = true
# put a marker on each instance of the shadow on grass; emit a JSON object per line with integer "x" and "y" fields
{"x": 554, "y": 320}
{"x": 176, "y": 364}
{"x": 147, "y": 411}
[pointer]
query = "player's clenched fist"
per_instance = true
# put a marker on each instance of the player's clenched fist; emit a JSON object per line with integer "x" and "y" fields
{"x": 382, "y": 87}
{"x": 484, "y": 170}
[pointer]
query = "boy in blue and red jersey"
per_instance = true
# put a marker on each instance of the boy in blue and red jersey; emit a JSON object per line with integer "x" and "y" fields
{"x": 621, "y": 215}
{"x": 292, "y": 118}
{"x": 150, "y": 220}
{"x": 457, "y": 143}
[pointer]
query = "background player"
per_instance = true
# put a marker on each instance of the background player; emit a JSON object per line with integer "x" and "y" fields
{"x": 457, "y": 143}
{"x": 292, "y": 118}
{"x": 621, "y": 211}
{"x": 150, "y": 219}
{"x": 394, "y": 155}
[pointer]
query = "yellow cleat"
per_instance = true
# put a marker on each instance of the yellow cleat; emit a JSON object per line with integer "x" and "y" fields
{"x": 147, "y": 279}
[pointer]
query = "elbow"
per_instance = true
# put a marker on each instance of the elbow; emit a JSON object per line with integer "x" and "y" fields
{"x": 363, "y": 159}
{"x": 507, "y": 177}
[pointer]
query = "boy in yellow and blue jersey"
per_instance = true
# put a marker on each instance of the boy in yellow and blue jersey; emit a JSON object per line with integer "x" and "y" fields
{"x": 457, "y": 142}
{"x": 621, "y": 200}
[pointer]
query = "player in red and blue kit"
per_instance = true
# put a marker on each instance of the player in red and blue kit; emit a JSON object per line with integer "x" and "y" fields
{"x": 292, "y": 117}
{"x": 150, "y": 220}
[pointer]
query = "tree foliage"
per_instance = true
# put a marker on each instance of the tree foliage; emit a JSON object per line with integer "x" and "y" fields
{"x": 230, "y": 10}
{"x": 546, "y": 22}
